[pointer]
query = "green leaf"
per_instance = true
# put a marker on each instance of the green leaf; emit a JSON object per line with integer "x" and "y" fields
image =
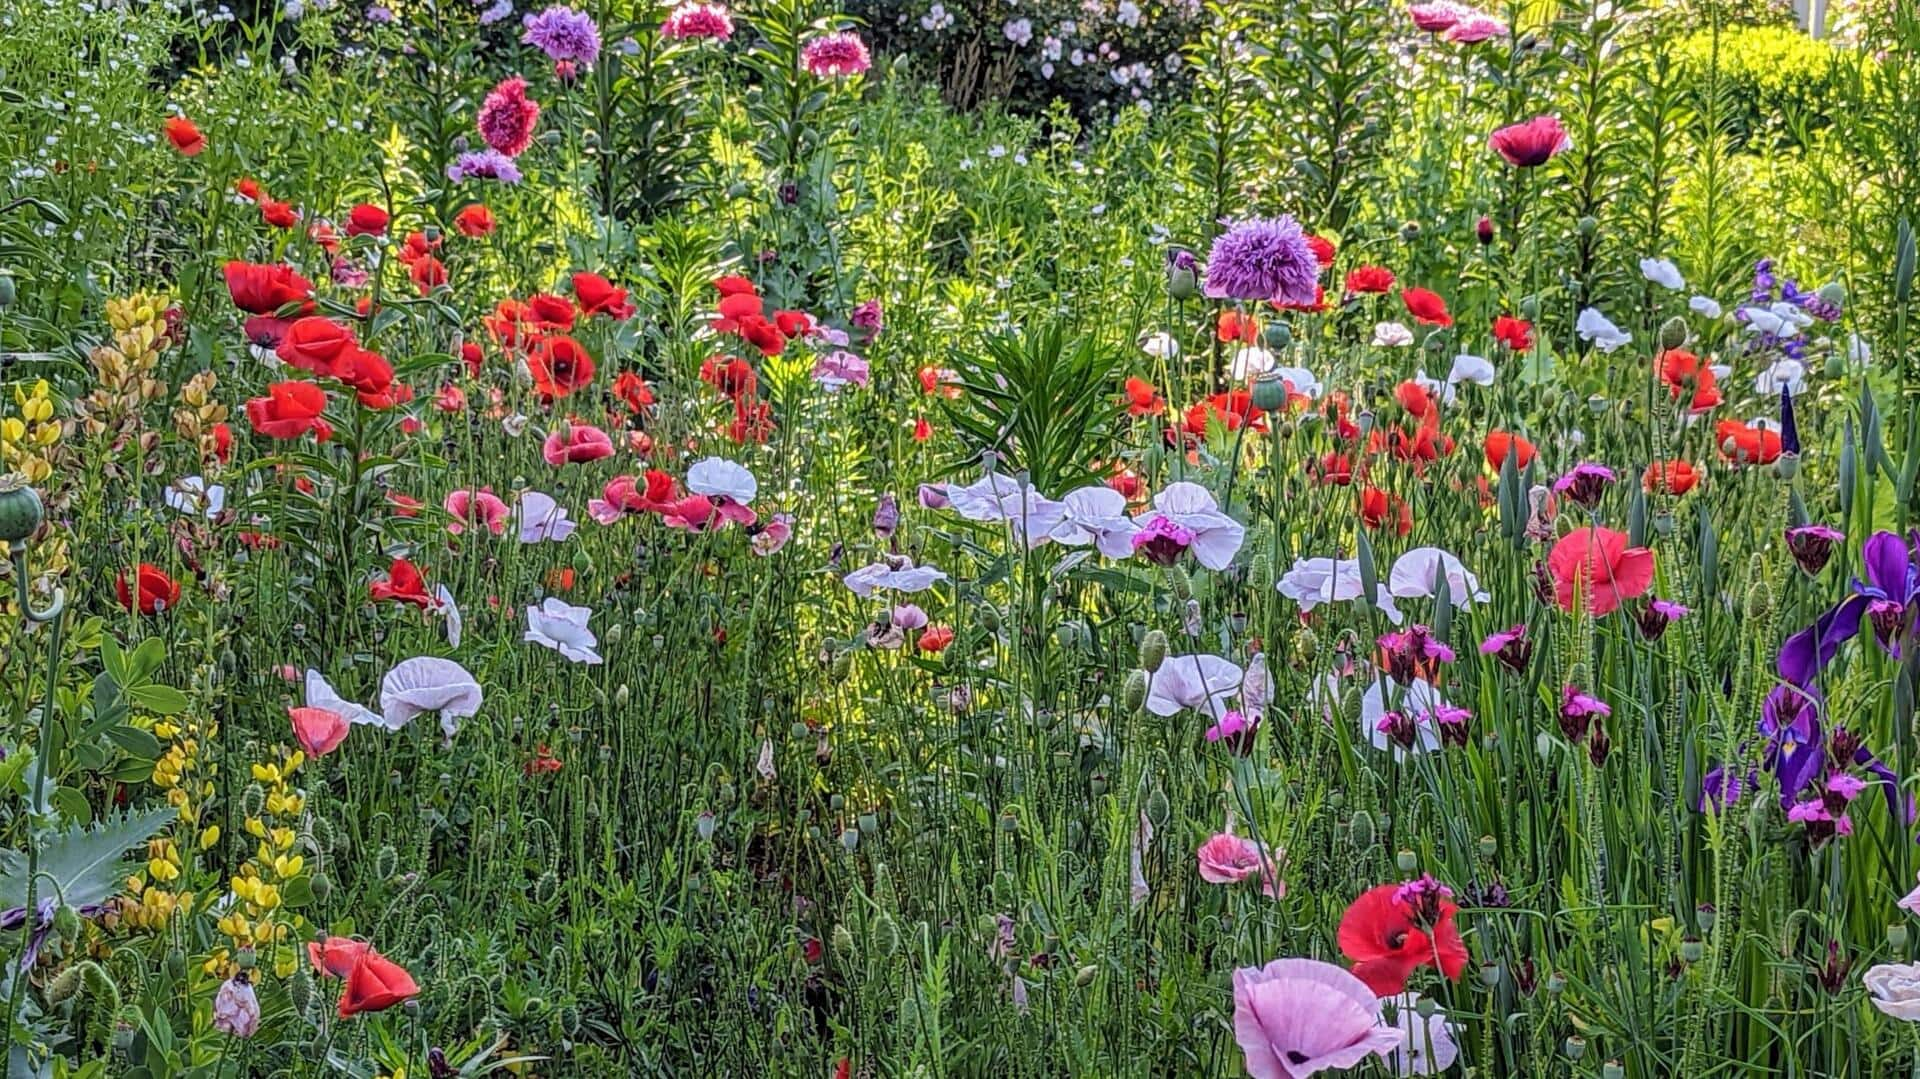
{"x": 160, "y": 700}
{"x": 85, "y": 863}
{"x": 141, "y": 744}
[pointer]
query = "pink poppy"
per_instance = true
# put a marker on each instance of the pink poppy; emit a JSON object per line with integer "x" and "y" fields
{"x": 574, "y": 443}
{"x": 1598, "y": 564}
{"x": 481, "y": 507}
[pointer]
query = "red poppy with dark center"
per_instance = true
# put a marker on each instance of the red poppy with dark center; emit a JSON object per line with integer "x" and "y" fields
{"x": 1426, "y": 306}
{"x": 763, "y": 335}
{"x": 315, "y": 344}
{"x": 1369, "y": 280}
{"x": 427, "y": 273}
{"x": 402, "y": 584}
{"x": 734, "y": 286}
{"x": 185, "y": 136}
{"x": 1515, "y": 333}
{"x": 599, "y": 296}
{"x": 264, "y": 289}
{"x": 1378, "y": 508}
{"x": 550, "y": 311}
{"x": 1686, "y": 377}
{"x": 1746, "y": 444}
{"x": 560, "y": 365}
{"x": 366, "y": 219}
{"x": 289, "y": 410}
{"x": 1388, "y": 938}
{"x": 474, "y": 221}
{"x": 731, "y": 375}
{"x": 152, "y": 592}
{"x": 1143, "y": 399}
{"x": 1500, "y": 443}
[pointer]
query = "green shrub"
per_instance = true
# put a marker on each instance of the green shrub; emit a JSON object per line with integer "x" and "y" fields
{"x": 1777, "y": 84}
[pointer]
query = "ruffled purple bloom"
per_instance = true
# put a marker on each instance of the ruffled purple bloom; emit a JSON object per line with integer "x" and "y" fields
{"x": 484, "y": 165}
{"x": 1263, "y": 259}
{"x": 1886, "y": 600}
{"x": 563, "y": 34}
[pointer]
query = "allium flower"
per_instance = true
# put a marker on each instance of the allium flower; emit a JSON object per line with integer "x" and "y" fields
{"x": 1531, "y": 143}
{"x": 1263, "y": 259}
{"x": 236, "y": 1009}
{"x": 559, "y": 625}
{"x": 695, "y": 21}
{"x": 1295, "y": 1017}
{"x": 507, "y": 118}
{"x": 486, "y": 164}
{"x": 834, "y": 56}
{"x": 563, "y": 34}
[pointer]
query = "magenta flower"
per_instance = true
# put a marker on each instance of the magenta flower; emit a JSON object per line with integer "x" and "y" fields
{"x": 1296, "y": 1017}
{"x": 1532, "y": 143}
{"x": 507, "y": 117}
{"x": 835, "y": 56}
{"x": 1585, "y": 483}
{"x": 1812, "y": 546}
{"x": 480, "y": 508}
{"x": 1475, "y": 27}
{"x": 698, "y": 22}
{"x": 1437, "y": 17}
{"x": 1230, "y": 859}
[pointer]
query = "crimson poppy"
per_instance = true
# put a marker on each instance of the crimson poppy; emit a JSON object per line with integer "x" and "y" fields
{"x": 185, "y": 136}
{"x": 763, "y": 335}
{"x": 599, "y": 296}
{"x": 1394, "y": 929}
{"x": 289, "y": 410}
{"x": 1515, "y": 333}
{"x": 1426, "y": 306}
{"x": 735, "y": 285}
{"x": 934, "y": 639}
{"x": 731, "y": 375}
{"x": 262, "y": 289}
{"x": 366, "y": 219}
{"x": 280, "y": 215}
{"x": 427, "y": 273}
{"x": 1323, "y": 250}
{"x": 156, "y": 592}
{"x": 474, "y": 221}
{"x": 633, "y": 391}
{"x": 1500, "y": 443}
{"x": 315, "y": 344}
{"x": 1369, "y": 280}
{"x": 1143, "y": 398}
{"x": 375, "y": 983}
{"x": 560, "y": 365}
{"x": 550, "y": 311}
{"x": 403, "y": 584}
{"x": 1685, "y": 376}
{"x": 1747, "y": 444}
{"x": 1675, "y": 477}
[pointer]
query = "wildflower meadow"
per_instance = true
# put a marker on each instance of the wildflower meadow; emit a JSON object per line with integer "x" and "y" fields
{"x": 1121, "y": 538}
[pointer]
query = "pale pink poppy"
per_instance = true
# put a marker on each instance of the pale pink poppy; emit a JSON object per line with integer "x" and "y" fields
{"x": 575, "y": 443}
{"x": 481, "y": 507}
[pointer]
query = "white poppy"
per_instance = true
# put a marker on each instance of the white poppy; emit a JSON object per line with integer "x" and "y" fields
{"x": 1256, "y": 686}
{"x": 428, "y": 684}
{"x": 1470, "y": 368}
{"x": 1250, "y": 361}
{"x": 1427, "y": 1046}
{"x": 193, "y": 496}
{"x": 1594, "y": 327}
{"x": 1096, "y": 515}
{"x": 984, "y": 499}
{"x": 561, "y": 626}
{"x": 541, "y": 518}
{"x": 717, "y": 476}
{"x": 1705, "y": 306}
{"x": 320, "y": 694}
{"x": 1313, "y": 581}
{"x": 1033, "y": 517}
{"x": 1663, "y": 273}
{"x": 1304, "y": 382}
{"x": 1783, "y": 374}
{"x": 1194, "y": 681}
{"x": 866, "y": 580}
{"x": 1766, "y": 320}
{"x": 1161, "y": 346}
{"x": 446, "y": 608}
{"x": 1420, "y": 571}
{"x": 1444, "y": 392}
{"x": 1391, "y": 335}
{"x": 1216, "y": 536}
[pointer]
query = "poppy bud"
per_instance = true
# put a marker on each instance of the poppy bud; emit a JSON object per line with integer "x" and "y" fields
{"x": 1182, "y": 584}
{"x": 1361, "y": 829}
{"x": 1153, "y": 650}
{"x": 1704, "y": 916}
{"x": 1836, "y": 365}
{"x": 66, "y": 922}
{"x": 64, "y": 985}
{"x": 843, "y": 941}
{"x": 176, "y": 964}
{"x": 868, "y": 823}
{"x": 1133, "y": 692}
{"x": 1833, "y": 292}
{"x": 1483, "y": 229}
{"x": 1587, "y": 225}
{"x": 1269, "y": 392}
{"x": 1260, "y": 573}
{"x": 1759, "y": 600}
{"x": 1157, "y": 808}
{"x": 621, "y": 695}
{"x": 1530, "y": 307}
{"x": 1897, "y": 937}
{"x": 1084, "y": 976}
{"x": 1673, "y": 333}
{"x": 842, "y": 665}
{"x": 1182, "y": 281}
{"x": 322, "y": 886}
{"x": 886, "y": 935}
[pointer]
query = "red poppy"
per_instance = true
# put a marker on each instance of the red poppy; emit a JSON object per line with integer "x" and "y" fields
{"x": 1686, "y": 377}
{"x": 185, "y": 136}
{"x": 367, "y": 219}
{"x": 735, "y": 286}
{"x": 404, "y": 505}
{"x": 633, "y": 391}
{"x": 1336, "y": 469}
{"x": 403, "y": 584}
{"x": 754, "y": 423}
{"x": 793, "y": 323}
{"x": 736, "y": 306}
{"x": 318, "y": 730}
{"x": 157, "y": 592}
{"x": 1369, "y": 280}
{"x": 323, "y": 235}
{"x": 280, "y": 215}
{"x": 1675, "y": 477}
{"x": 922, "y": 430}
{"x": 560, "y": 365}
{"x": 1234, "y": 326}
{"x": 1318, "y": 305}
{"x": 222, "y": 442}
{"x": 1425, "y": 445}
{"x": 731, "y": 375}
{"x": 1143, "y": 399}
{"x": 763, "y": 335}
{"x": 262, "y": 289}
{"x": 1745, "y": 444}
{"x": 543, "y": 762}
{"x": 471, "y": 355}
{"x": 1389, "y": 936}
{"x": 1415, "y": 399}
{"x": 474, "y": 221}
{"x": 289, "y": 410}
{"x": 1499, "y": 443}
{"x": 1515, "y": 333}
{"x": 427, "y": 273}
{"x": 336, "y": 955}
{"x": 375, "y": 983}
{"x": 599, "y": 296}
{"x": 249, "y": 188}
{"x": 1426, "y": 306}
{"x": 1378, "y": 508}
{"x": 934, "y": 639}
{"x": 550, "y": 311}
{"x": 509, "y": 321}
{"x": 1597, "y": 563}
{"x": 315, "y": 344}
{"x": 1323, "y": 250}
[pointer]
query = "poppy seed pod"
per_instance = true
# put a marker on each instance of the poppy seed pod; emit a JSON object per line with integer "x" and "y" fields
{"x": 1269, "y": 392}
{"x": 1361, "y": 829}
{"x": 21, "y": 511}
{"x": 1133, "y": 693}
{"x": 1153, "y": 650}
{"x": 1897, "y": 937}
{"x": 1406, "y": 860}
{"x": 1612, "y": 1070}
{"x": 1157, "y": 807}
{"x": 1673, "y": 332}
{"x": 1575, "y": 1047}
{"x": 8, "y": 293}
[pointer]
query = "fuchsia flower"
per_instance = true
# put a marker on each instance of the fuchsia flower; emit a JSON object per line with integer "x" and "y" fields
{"x": 481, "y": 507}
{"x": 575, "y": 443}
{"x": 507, "y": 117}
{"x": 835, "y": 56}
{"x": 698, "y": 22}
{"x": 1532, "y": 143}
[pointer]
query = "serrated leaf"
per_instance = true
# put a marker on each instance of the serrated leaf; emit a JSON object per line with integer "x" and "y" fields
{"x": 84, "y": 863}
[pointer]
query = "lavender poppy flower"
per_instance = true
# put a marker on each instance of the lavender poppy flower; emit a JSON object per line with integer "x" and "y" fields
{"x": 1263, "y": 259}
{"x": 1296, "y": 1017}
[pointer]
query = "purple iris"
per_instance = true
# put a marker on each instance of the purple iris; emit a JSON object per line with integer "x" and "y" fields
{"x": 1886, "y": 600}
{"x": 1801, "y": 758}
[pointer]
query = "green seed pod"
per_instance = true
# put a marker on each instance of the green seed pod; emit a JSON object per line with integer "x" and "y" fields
{"x": 66, "y": 922}
{"x": 322, "y": 886}
{"x": 1612, "y": 1070}
{"x": 1786, "y": 466}
{"x": 1270, "y": 391}
{"x": 1153, "y": 650}
{"x": 1157, "y": 807}
{"x": 1489, "y": 977}
{"x": 1673, "y": 332}
{"x": 176, "y": 964}
{"x": 843, "y": 941}
{"x": 886, "y": 935}
{"x": 1691, "y": 950}
{"x": 1406, "y": 860}
{"x": 1260, "y": 573}
{"x": 842, "y": 665}
{"x": 1575, "y": 1046}
{"x": 1834, "y": 293}
{"x": 1182, "y": 584}
{"x": 64, "y": 985}
{"x": 1361, "y": 829}
{"x": 1705, "y": 916}
{"x": 1488, "y": 845}
{"x": 1587, "y": 225}
{"x": 1557, "y": 982}
{"x": 21, "y": 510}
{"x": 1009, "y": 822}
{"x": 1084, "y": 976}
{"x": 300, "y": 990}
{"x": 8, "y": 293}
{"x": 246, "y": 959}
{"x": 850, "y": 839}
{"x": 1133, "y": 692}
{"x": 386, "y": 863}
{"x": 1897, "y": 937}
